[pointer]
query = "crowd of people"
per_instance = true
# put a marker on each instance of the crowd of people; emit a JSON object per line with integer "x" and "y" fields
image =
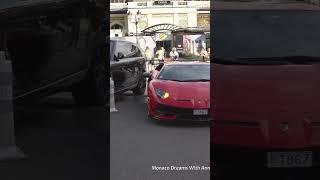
{"x": 160, "y": 56}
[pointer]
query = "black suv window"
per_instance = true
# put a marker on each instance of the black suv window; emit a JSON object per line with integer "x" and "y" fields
{"x": 128, "y": 49}
{"x": 135, "y": 51}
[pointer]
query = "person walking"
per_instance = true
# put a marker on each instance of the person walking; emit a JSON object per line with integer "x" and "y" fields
{"x": 148, "y": 55}
{"x": 174, "y": 55}
{"x": 204, "y": 54}
{"x": 160, "y": 54}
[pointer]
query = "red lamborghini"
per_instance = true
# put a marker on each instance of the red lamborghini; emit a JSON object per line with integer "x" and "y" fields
{"x": 266, "y": 89}
{"x": 179, "y": 91}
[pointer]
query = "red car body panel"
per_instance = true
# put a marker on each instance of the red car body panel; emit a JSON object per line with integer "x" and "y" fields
{"x": 186, "y": 95}
{"x": 251, "y": 103}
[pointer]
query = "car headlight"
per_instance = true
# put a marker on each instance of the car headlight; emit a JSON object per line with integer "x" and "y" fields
{"x": 162, "y": 94}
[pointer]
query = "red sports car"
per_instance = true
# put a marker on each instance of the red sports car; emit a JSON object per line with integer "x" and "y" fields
{"x": 266, "y": 89}
{"x": 179, "y": 91}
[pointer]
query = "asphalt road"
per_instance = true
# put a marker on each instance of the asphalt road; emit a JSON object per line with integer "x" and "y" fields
{"x": 137, "y": 144}
{"x": 60, "y": 141}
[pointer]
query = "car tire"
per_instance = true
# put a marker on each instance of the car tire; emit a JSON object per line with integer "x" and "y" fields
{"x": 94, "y": 89}
{"x": 141, "y": 87}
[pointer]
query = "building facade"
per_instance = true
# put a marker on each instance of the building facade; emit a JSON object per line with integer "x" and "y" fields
{"x": 185, "y": 14}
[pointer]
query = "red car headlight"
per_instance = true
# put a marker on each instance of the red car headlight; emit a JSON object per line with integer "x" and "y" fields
{"x": 161, "y": 93}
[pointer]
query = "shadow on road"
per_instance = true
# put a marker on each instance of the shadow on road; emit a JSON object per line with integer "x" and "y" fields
{"x": 60, "y": 111}
{"x": 61, "y": 141}
{"x": 180, "y": 124}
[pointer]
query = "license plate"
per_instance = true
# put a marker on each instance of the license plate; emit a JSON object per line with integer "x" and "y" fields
{"x": 290, "y": 159}
{"x": 200, "y": 112}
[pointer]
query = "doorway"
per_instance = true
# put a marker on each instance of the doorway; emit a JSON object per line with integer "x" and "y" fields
{"x": 166, "y": 44}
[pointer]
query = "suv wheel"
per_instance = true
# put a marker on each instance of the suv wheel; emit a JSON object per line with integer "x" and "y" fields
{"x": 141, "y": 87}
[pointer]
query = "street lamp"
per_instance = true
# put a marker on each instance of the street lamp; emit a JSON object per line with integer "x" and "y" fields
{"x": 135, "y": 18}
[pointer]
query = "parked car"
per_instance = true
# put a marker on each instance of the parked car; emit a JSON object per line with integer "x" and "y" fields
{"x": 54, "y": 46}
{"x": 127, "y": 65}
{"x": 265, "y": 91}
{"x": 179, "y": 91}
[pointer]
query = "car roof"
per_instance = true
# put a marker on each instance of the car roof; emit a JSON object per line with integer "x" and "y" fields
{"x": 111, "y": 39}
{"x": 273, "y": 5}
{"x": 120, "y": 40}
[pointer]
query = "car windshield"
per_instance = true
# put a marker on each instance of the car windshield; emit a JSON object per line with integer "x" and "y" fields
{"x": 184, "y": 73}
{"x": 246, "y": 35}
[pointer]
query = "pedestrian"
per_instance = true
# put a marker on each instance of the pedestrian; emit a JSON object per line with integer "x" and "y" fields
{"x": 148, "y": 55}
{"x": 204, "y": 54}
{"x": 174, "y": 55}
{"x": 160, "y": 54}
{"x": 164, "y": 52}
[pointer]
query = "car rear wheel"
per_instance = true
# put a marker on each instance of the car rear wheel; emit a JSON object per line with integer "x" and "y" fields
{"x": 141, "y": 87}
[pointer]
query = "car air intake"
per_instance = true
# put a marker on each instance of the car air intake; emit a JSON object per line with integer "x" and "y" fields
{"x": 183, "y": 100}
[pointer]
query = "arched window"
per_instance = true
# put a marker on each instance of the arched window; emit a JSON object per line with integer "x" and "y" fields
{"x": 116, "y": 26}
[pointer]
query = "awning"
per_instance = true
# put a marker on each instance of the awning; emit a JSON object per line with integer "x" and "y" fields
{"x": 193, "y": 30}
{"x": 174, "y": 29}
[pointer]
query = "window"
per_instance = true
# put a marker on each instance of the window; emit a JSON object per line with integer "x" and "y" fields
{"x": 182, "y": 3}
{"x": 182, "y": 15}
{"x": 135, "y": 52}
{"x": 123, "y": 47}
{"x": 128, "y": 49}
{"x": 141, "y": 4}
{"x": 185, "y": 72}
{"x": 267, "y": 34}
{"x": 116, "y": 26}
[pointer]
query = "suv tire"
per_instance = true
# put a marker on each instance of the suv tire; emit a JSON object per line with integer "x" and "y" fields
{"x": 141, "y": 87}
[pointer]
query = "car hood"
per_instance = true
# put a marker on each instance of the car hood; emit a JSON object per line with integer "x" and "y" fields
{"x": 184, "y": 94}
{"x": 266, "y": 106}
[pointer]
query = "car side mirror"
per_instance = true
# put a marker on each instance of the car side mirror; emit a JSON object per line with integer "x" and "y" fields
{"x": 147, "y": 75}
{"x": 120, "y": 55}
{"x": 158, "y": 68}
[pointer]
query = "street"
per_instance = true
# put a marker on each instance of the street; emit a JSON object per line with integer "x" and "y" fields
{"x": 60, "y": 141}
{"x": 138, "y": 143}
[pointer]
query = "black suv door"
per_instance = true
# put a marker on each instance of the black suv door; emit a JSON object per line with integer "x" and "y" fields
{"x": 130, "y": 65}
{"x": 136, "y": 64}
{"x": 117, "y": 66}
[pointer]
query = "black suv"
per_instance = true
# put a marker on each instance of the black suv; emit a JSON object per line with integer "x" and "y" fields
{"x": 127, "y": 65}
{"x": 56, "y": 45}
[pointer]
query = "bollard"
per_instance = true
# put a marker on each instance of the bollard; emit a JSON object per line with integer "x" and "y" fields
{"x": 112, "y": 100}
{"x": 8, "y": 148}
{"x": 146, "y": 90}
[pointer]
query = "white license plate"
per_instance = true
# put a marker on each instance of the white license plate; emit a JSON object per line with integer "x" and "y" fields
{"x": 290, "y": 159}
{"x": 200, "y": 112}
